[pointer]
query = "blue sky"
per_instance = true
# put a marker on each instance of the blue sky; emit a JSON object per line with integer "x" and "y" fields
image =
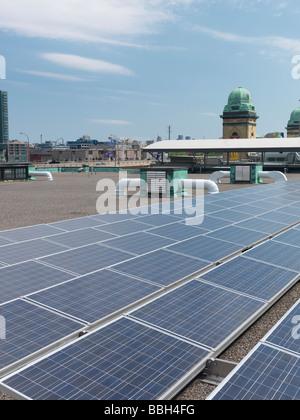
{"x": 133, "y": 67}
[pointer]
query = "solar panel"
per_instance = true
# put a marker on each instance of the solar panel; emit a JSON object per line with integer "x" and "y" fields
{"x": 159, "y": 219}
{"x": 161, "y": 267}
{"x": 4, "y": 241}
{"x": 112, "y": 217}
{"x": 208, "y": 223}
{"x": 251, "y": 277}
{"x": 275, "y": 253}
{"x": 139, "y": 244}
{"x": 94, "y": 296}
{"x": 290, "y": 237}
{"x": 231, "y": 215}
{"x": 177, "y": 231}
{"x": 122, "y": 361}
{"x": 25, "y": 251}
{"x": 286, "y": 334}
{"x": 30, "y": 329}
{"x": 200, "y": 312}
{"x": 281, "y": 217}
{"x": 125, "y": 228}
{"x": 75, "y": 224}
{"x": 237, "y": 235}
{"x": 86, "y": 259}
{"x": 262, "y": 225}
{"x": 21, "y": 279}
{"x": 205, "y": 248}
{"x": 31, "y": 232}
{"x": 80, "y": 237}
{"x": 267, "y": 374}
{"x": 250, "y": 209}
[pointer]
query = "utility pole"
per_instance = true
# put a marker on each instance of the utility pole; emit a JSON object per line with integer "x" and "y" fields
{"x": 169, "y": 132}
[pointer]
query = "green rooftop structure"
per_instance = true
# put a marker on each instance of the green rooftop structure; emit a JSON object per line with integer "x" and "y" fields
{"x": 239, "y": 115}
{"x": 293, "y": 128}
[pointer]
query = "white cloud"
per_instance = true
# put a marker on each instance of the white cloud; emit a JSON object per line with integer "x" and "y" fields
{"x": 86, "y": 64}
{"x": 209, "y": 114}
{"x": 111, "y": 122}
{"x": 109, "y": 21}
{"x": 285, "y": 44}
{"x": 56, "y": 76}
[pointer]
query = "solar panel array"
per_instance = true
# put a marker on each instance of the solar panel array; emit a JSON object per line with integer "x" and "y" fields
{"x": 124, "y": 306}
{"x": 272, "y": 370}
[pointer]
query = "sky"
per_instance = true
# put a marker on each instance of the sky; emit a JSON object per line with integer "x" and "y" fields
{"x": 131, "y": 68}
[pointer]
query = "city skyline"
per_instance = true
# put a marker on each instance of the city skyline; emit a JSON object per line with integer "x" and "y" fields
{"x": 133, "y": 68}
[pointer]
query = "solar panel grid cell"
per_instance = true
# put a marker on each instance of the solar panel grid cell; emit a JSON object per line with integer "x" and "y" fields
{"x": 29, "y": 329}
{"x": 94, "y": 296}
{"x": 251, "y": 277}
{"x": 29, "y": 250}
{"x": 200, "y": 312}
{"x": 21, "y": 279}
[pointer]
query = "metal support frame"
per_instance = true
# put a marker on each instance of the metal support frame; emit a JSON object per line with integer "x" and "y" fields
{"x": 216, "y": 371}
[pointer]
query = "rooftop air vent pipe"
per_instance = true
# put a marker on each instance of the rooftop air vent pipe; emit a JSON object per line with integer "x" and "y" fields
{"x": 48, "y": 175}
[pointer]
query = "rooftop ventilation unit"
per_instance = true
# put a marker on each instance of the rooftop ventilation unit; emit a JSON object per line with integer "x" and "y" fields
{"x": 162, "y": 182}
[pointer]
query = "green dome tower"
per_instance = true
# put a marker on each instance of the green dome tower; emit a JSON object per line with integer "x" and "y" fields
{"x": 293, "y": 128}
{"x": 239, "y": 116}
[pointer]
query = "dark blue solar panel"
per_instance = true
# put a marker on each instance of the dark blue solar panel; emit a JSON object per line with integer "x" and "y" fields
{"x": 268, "y": 374}
{"x": 25, "y": 251}
{"x": 74, "y": 224}
{"x": 19, "y": 280}
{"x": 80, "y": 237}
{"x": 86, "y": 259}
{"x": 282, "y": 255}
{"x": 255, "y": 278}
{"x": 287, "y": 332}
{"x": 290, "y": 237}
{"x": 177, "y": 231}
{"x": 140, "y": 243}
{"x": 161, "y": 267}
{"x": 281, "y": 217}
{"x": 158, "y": 219}
{"x": 4, "y": 241}
{"x": 125, "y": 228}
{"x": 95, "y": 296}
{"x": 122, "y": 361}
{"x": 262, "y": 225}
{"x": 209, "y": 222}
{"x": 205, "y": 248}
{"x": 232, "y": 215}
{"x": 31, "y": 232}
{"x": 237, "y": 235}
{"x": 200, "y": 312}
{"x": 112, "y": 217}
{"x": 29, "y": 329}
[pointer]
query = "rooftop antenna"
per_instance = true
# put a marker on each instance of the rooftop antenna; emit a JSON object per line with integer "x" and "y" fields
{"x": 169, "y": 132}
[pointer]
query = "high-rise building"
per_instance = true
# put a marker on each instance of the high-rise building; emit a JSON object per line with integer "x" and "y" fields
{"x": 3, "y": 117}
